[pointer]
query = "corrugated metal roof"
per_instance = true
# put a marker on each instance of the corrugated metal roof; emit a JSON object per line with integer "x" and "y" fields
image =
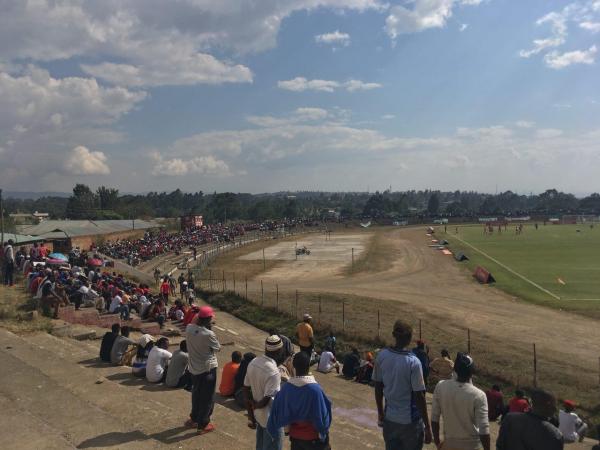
{"x": 21, "y": 238}
{"x": 86, "y": 227}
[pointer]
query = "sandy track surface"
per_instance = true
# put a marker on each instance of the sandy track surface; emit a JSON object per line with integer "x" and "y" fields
{"x": 437, "y": 286}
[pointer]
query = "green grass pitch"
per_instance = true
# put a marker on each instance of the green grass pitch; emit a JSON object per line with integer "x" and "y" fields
{"x": 541, "y": 256}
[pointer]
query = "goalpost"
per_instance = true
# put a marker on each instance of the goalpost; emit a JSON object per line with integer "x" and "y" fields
{"x": 580, "y": 219}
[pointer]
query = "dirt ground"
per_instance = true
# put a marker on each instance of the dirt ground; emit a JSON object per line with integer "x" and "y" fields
{"x": 423, "y": 283}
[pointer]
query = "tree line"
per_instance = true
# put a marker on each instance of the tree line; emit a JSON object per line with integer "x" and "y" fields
{"x": 108, "y": 203}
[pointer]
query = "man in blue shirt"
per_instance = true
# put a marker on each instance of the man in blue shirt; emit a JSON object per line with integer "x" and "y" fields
{"x": 399, "y": 379}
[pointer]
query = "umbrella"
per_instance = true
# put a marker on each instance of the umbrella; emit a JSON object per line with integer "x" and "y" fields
{"x": 60, "y": 256}
{"x": 54, "y": 262}
{"x": 95, "y": 262}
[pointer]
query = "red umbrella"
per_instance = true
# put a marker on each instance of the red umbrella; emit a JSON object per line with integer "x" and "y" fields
{"x": 95, "y": 262}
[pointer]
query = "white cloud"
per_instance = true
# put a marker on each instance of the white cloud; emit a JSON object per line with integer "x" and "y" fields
{"x": 525, "y": 124}
{"x": 594, "y": 27}
{"x": 82, "y": 161}
{"x": 334, "y": 38}
{"x": 300, "y": 84}
{"x": 43, "y": 118}
{"x": 203, "y": 165}
{"x": 388, "y": 116}
{"x": 463, "y": 26}
{"x": 584, "y": 14}
{"x": 298, "y": 116}
{"x": 556, "y": 60}
{"x": 421, "y": 15}
{"x": 548, "y": 133}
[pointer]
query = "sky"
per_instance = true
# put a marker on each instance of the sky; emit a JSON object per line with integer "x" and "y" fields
{"x": 274, "y": 95}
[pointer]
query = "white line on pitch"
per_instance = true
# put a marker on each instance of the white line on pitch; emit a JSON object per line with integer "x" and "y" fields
{"x": 509, "y": 269}
{"x": 582, "y": 299}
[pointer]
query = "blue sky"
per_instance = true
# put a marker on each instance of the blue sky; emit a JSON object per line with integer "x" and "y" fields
{"x": 304, "y": 94}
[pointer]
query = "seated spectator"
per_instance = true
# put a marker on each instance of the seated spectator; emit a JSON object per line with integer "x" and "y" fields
{"x": 518, "y": 403}
{"x": 569, "y": 423}
{"x": 158, "y": 313}
{"x": 365, "y": 372}
{"x": 533, "y": 429}
{"x": 107, "y": 342}
{"x": 120, "y": 347}
{"x": 230, "y": 370}
{"x": 443, "y": 366}
{"x": 158, "y": 360}
{"x": 495, "y": 400}
{"x": 50, "y": 297}
{"x": 351, "y": 364}
{"x": 238, "y": 387}
{"x": 140, "y": 360}
{"x": 302, "y": 405}
{"x": 178, "y": 375}
{"x": 177, "y": 311}
{"x": 327, "y": 362}
{"x": 118, "y": 307}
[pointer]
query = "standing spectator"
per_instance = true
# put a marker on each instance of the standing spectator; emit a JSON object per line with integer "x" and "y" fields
{"x": 120, "y": 346}
{"x": 227, "y": 386}
{"x": 464, "y": 408}
{"x": 495, "y": 400}
{"x": 443, "y": 366}
{"x": 421, "y": 352}
{"x": 180, "y": 281}
{"x": 9, "y": 263}
{"x": 261, "y": 384}
{"x": 569, "y": 423}
{"x": 158, "y": 360}
{"x": 330, "y": 342}
{"x": 178, "y": 375}
{"x": 303, "y": 406}
{"x": 305, "y": 334}
{"x": 165, "y": 290}
{"x": 240, "y": 376}
{"x": 202, "y": 344}
{"x": 351, "y": 363}
{"x": 518, "y": 403}
{"x": 531, "y": 430}
{"x": 399, "y": 379}
{"x": 107, "y": 342}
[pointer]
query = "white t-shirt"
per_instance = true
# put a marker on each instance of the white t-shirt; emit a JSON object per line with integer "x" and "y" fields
{"x": 158, "y": 358}
{"x": 326, "y": 362}
{"x": 114, "y": 304}
{"x": 264, "y": 380}
{"x": 568, "y": 424}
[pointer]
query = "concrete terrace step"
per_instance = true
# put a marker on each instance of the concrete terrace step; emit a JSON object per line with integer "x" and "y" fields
{"x": 150, "y": 414}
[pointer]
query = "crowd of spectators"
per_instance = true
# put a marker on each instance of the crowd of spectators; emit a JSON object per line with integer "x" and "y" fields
{"x": 156, "y": 243}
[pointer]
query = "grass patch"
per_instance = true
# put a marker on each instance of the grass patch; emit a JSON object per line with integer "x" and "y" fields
{"x": 375, "y": 257}
{"x": 17, "y": 312}
{"x": 543, "y": 256}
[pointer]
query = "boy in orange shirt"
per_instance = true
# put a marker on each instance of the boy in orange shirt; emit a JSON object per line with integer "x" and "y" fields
{"x": 230, "y": 369}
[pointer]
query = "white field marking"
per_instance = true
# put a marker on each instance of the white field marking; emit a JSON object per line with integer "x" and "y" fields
{"x": 235, "y": 333}
{"x": 510, "y": 270}
{"x": 582, "y": 299}
{"x": 219, "y": 328}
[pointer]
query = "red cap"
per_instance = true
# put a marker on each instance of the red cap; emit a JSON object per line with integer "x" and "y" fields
{"x": 569, "y": 404}
{"x": 205, "y": 312}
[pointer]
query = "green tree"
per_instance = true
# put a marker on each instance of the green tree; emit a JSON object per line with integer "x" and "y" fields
{"x": 107, "y": 197}
{"x": 433, "y": 204}
{"x": 82, "y": 204}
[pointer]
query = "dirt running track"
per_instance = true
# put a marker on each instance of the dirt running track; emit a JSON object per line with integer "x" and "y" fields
{"x": 436, "y": 286}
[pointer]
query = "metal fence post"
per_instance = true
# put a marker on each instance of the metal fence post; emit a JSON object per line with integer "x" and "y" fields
{"x": 224, "y": 282}
{"x": 296, "y": 311}
{"x": 234, "y": 283}
{"x": 246, "y": 279}
{"x": 379, "y": 325}
{"x": 343, "y": 316}
{"x": 420, "y": 329}
{"x": 210, "y": 279}
{"x": 469, "y": 341}
{"x": 320, "y": 311}
{"x": 277, "y": 297}
{"x": 262, "y": 293}
{"x": 534, "y": 366}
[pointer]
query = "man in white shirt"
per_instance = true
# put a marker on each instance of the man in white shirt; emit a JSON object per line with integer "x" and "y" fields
{"x": 327, "y": 362}
{"x": 117, "y": 306}
{"x": 202, "y": 345}
{"x": 465, "y": 410}
{"x": 569, "y": 423}
{"x": 158, "y": 360}
{"x": 262, "y": 382}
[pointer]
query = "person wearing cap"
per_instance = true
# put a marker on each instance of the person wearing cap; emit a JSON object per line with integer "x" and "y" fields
{"x": 569, "y": 423}
{"x": 398, "y": 378}
{"x": 302, "y": 405}
{"x": 531, "y": 430}
{"x": 202, "y": 345}
{"x": 464, "y": 408}
{"x": 261, "y": 384}
{"x": 305, "y": 334}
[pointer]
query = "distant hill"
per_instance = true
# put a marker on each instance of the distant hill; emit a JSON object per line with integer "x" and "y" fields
{"x": 34, "y": 195}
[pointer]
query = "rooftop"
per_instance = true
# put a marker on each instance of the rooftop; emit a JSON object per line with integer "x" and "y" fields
{"x": 70, "y": 228}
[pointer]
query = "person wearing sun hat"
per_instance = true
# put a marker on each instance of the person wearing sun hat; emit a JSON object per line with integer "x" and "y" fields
{"x": 202, "y": 345}
{"x": 261, "y": 384}
{"x": 570, "y": 424}
{"x": 464, "y": 408}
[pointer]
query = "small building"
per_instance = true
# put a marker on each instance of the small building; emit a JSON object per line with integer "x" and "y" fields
{"x": 191, "y": 221}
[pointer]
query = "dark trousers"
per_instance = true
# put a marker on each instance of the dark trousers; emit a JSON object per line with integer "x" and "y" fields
{"x": 308, "y": 350}
{"x": 9, "y": 269}
{"x": 203, "y": 397}
{"x": 185, "y": 381}
{"x": 317, "y": 444}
